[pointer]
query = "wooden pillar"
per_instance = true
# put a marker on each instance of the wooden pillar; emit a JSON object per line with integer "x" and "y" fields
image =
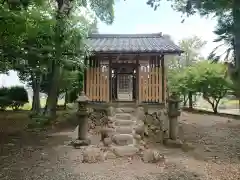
{"x": 110, "y": 78}
{"x": 85, "y": 75}
{"x": 163, "y": 79}
{"x": 137, "y": 79}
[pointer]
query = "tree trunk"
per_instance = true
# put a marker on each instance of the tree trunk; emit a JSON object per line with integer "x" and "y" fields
{"x": 51, "y": 103}
{"x": 66, "y": 99}
{"x": 56, "y": 71}
{"x": 190, "y": 101}
{"x": 185, "y": 99}
{"x": 215, "y": 109}
{"x": 36, "y": 107}
{"x": 215, "y": 105}
{"x": 238, "y": 104}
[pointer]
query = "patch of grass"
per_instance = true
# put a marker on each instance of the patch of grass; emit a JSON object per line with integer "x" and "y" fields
{"x": 28, "y": 106}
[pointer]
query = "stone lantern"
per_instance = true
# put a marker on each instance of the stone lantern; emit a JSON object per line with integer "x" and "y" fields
{"x": 82, "y": 115}
{"x": 173, "y": 114}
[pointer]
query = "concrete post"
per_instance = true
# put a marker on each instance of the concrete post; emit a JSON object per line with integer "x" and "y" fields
{"x": 173, "y": 114}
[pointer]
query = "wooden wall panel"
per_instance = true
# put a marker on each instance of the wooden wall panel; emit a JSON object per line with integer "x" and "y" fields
{"x": 97, "y": 84}
{"x": 150, "y": 82}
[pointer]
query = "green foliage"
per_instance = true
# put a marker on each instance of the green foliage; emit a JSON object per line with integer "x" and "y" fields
{"x": 4, "y": 98}
{"x": 46, "y": 45}
{"x": 191, "y": 47}
{"x": 14, "y": 97}
{"x": 228, "y": 30}
{"x": 224, "y": 32}
{"x": 204, "y": 77}
{"x": 18, "y": 96}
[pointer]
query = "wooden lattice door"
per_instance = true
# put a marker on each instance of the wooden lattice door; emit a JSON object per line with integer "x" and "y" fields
{"x": 124, "y": 87}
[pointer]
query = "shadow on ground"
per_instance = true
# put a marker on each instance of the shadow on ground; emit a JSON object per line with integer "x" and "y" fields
{"x": 46, "y": 155}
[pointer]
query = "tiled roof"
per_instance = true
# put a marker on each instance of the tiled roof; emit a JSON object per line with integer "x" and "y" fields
{"x": 132, "y": 43}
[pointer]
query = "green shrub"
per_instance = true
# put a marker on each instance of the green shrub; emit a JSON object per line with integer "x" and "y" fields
{"x": 18, "y": 95}
{"x": 73, "y": 95}
{"x": 5, "y": 100}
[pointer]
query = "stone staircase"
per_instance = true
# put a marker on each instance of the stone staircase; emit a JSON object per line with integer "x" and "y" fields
{"x": 125, "y": 139}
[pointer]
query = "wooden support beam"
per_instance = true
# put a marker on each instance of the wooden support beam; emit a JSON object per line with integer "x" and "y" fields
{"x": 163, "y": 79}
{"x": 137, "y": 79}
{"x": 85, "y": 75}
{"x": 110, "y": 78}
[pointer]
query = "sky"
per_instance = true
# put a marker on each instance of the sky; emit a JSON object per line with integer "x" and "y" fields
{"x": 134, "y": 16}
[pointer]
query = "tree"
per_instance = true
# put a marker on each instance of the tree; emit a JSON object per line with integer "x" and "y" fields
{"x": 18, "y": 96}
{"x": 191, "y": 47}
{"x": 224, "y": 32}
{"x": 102, "y": 9}
{"x": 214, "y": 83}
{"x": 210, "y": 79}
{"x": 66, "y": 34}
{"x": 217, "y": 8}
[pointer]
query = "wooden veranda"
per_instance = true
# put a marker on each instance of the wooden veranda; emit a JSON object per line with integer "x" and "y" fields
{"x": 128, "y": 68}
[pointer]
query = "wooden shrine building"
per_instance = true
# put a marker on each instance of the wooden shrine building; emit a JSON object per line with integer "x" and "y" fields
{"x": 128, "y": 67}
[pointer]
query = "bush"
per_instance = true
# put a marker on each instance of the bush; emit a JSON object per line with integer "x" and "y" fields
{"x": 5, "y": 100}
{"x": 18, "y": 95}
{"x": 73, "y": 95}
{"x": 14, "y": 97}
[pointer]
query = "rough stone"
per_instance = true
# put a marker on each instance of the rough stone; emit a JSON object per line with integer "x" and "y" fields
{"x": 122, "y": 139}
{"x": 110, "y": 155}
{"x": 111, "y": 111}
{"x": 137, "y": 137}
{"x": 92, "y": 155}
{"x": 124, "y": 130}
{"x": 107, "y": 131}
{"x": 107, "y": 141}
{"x": 125, "y": 150}
{"x": 140, "y": 129}
{"x": 152, "y": 156}
{"x": 140, "y": 114}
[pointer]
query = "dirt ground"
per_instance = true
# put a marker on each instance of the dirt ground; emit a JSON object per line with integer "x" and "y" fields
{"x": 46, "y": 155}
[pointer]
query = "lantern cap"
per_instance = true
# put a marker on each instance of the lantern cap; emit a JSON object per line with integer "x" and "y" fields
{"x": 82, "y": 97}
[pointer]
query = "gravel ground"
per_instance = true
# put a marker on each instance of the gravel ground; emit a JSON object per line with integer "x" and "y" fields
{"x": 44, "y": 156}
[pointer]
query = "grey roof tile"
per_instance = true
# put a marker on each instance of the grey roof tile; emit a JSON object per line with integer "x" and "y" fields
{"x": 132, "y": 43}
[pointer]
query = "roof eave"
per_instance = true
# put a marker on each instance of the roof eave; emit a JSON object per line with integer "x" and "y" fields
{"x": 178, "y": 52}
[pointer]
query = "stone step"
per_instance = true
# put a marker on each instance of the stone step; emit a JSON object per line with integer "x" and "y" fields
{"x": 123, "y": 116}
{"x": 120, "y": 122}
{"x": 124, "y": 130}
{"x": 128, "y": 110}
{"x": 125, "y": 110}
{"x": 124, "y": 150}
{"x": 123, "y": 139}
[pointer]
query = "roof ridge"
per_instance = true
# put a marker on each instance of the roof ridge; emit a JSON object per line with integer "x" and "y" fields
{"x": 149, "y": 35}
